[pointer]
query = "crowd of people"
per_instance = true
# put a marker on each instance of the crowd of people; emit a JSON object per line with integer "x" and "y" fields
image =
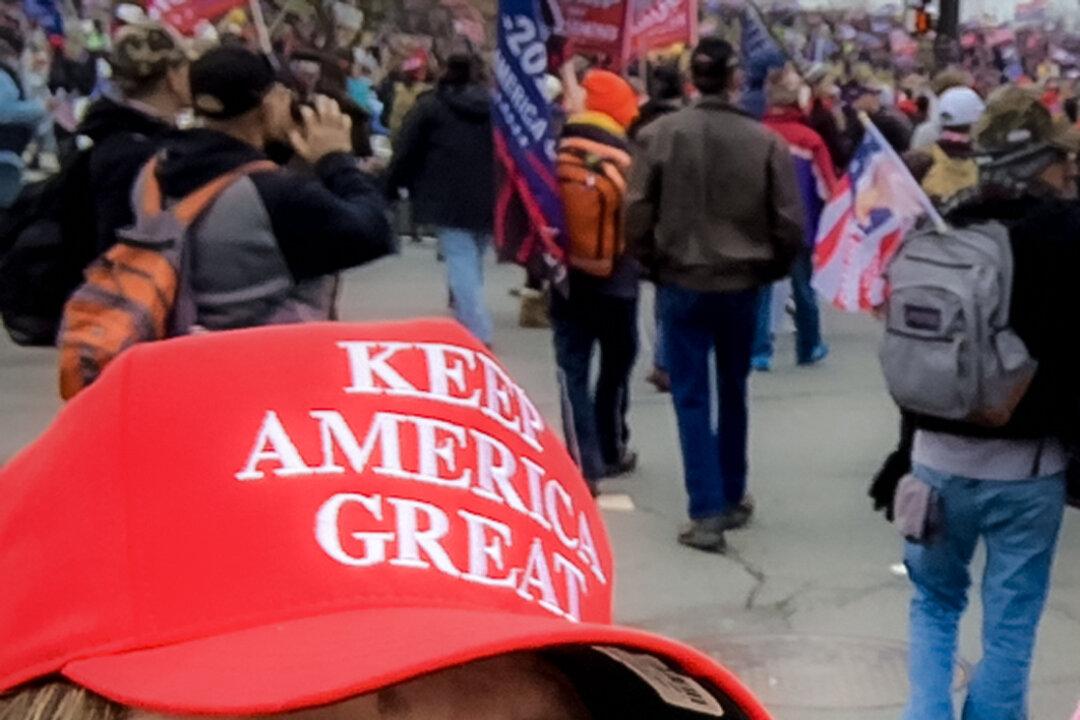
{"x": 234, "y": 187}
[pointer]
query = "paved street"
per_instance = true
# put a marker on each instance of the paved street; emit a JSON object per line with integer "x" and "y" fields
{"x": 808, "y": 607}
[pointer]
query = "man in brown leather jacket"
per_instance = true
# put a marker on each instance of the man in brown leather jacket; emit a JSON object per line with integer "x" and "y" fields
{"x": 714, "y": 214}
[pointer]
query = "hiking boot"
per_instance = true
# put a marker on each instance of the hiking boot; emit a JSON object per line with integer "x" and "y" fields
{"x": 626, "y": 465}
{"x": 706, "y": 534}
{"x": 534, "y": 310}
{"x": 660, "y": 380}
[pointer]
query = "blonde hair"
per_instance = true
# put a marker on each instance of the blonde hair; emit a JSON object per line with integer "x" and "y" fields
{"x": 58, "y": 700}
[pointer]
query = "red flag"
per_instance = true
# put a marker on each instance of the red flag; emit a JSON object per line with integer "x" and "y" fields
{"x": 659, "y": 23}
{"x": 622, "y": 30}
{"x": 184, "y": 15}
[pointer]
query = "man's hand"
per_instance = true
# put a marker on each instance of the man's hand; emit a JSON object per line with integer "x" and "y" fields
{"x": 322, "y": 131}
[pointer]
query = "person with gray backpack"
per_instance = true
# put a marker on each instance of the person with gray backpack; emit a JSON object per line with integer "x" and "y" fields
{"x": 979, "y": 351}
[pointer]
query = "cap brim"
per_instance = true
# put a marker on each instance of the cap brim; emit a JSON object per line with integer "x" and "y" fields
{"x": 320, "y": 660}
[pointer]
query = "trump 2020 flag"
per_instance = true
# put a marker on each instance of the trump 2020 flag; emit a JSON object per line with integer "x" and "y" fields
{"x": 756, "y": 41}
{"x": 528, "y": 210}
{"x": 861, "y": 227}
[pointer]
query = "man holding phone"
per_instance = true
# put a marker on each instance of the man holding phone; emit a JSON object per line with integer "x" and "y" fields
{"x": 272, "y": 237}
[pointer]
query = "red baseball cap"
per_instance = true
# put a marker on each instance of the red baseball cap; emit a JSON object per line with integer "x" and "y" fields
{"x": 259, "y": 521}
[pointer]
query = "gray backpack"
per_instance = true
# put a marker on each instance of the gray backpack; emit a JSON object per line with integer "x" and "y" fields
{"x": 948, "y": 351}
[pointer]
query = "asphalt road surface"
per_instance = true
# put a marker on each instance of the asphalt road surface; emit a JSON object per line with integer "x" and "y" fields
{"x": 810, "y": 605}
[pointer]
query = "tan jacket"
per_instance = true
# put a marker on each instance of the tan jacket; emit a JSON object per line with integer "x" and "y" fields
{"x": 712, "y": 202}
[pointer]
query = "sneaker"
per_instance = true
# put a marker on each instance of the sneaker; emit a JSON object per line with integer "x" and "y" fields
{"x": 660, "y": 380}
{"x": 706, "y": 534}
{"x": 761, "y": 363}
{"x": 819, "y": 353}
{"x": 738, "y": 517}
{"x": 626, "y": 465}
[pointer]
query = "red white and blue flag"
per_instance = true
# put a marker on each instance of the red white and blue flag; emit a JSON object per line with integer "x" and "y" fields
{"x": 861, "y": 227}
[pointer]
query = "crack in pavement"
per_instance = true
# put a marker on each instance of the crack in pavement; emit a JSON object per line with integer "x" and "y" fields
{"x": 759, "y": 576}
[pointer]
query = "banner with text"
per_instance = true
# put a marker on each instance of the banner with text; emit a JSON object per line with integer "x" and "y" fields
{"x": 619, "y": 31}
{"x": 528, "y": 212}
{"x": 659, "y": 23}
{"x": 595, "y": 27}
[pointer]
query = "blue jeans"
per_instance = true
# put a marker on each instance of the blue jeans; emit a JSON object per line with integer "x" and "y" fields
{"x": 463, "y": 251}
{"x": 695, "y": 324}
{"x": 1019, "y": 520}
{"x": 807, "y": 317}
{"x": 583, "y": 322}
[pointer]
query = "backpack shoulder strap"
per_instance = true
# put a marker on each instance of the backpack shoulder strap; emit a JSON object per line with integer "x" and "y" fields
{"x": 188, "y": 209}
{"x": 149, "y": 202}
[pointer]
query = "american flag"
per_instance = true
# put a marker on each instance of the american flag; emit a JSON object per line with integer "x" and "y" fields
{"x": 861, "y": 227}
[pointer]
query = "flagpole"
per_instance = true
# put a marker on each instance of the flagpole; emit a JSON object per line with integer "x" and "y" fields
{"x": 260, "y": 27}
{"x": 797, "y": 62}
{"x": 928, "y": 206}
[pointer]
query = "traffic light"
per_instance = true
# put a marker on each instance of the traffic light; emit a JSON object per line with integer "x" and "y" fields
{"x": 923, "y": 22}
{"x": 919, "y": 19}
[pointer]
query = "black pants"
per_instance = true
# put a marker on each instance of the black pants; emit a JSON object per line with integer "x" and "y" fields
{"x": 582, "y": 322}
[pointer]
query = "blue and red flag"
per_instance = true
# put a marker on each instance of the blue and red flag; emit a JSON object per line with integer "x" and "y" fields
{"x": 529, "y": 224}
{"x": 861, "y": 227}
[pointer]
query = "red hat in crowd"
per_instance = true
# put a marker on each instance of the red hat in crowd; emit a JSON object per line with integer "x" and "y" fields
{"x": 264, "y": 520}
{"x": 415, "y": 63}
{"x": 610, "y": 94}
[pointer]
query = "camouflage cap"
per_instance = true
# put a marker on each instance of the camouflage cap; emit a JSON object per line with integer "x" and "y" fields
{"x": 144, "y": 52}
{"x": 951, "y": 77}
{"x": 1016, "y": 120}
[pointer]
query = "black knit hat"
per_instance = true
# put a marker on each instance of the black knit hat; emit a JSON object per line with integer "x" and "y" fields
{"x": 229, "y": 81}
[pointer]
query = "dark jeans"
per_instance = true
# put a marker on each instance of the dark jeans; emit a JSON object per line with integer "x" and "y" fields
{"x": 696, "y": 323}
{"x": 659, "y": 362}
{"x": 581, "y": 323}
{"x": 807, "y": 317}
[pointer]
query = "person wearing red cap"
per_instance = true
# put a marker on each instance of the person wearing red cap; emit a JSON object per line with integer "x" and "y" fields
{"x": 600, "y": 307}
{"x": 377, "y": 524}
{"x": 411, "y": 83}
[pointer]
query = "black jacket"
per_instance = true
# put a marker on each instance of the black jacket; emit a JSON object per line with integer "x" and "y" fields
{"x": 1045, "y": 305}
{"x": 650, "y": 111}
{"x": 894, "y": 126}
{"x": 124, "y": 139}
{"x": 824, "y": 123}
{"x": 445, "y": 158}
{"x": 323, "y": 224}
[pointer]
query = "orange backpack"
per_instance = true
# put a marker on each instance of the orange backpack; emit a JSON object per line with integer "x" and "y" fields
{"x": 133, "y": 293}
{"x": 592, "y": 185}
